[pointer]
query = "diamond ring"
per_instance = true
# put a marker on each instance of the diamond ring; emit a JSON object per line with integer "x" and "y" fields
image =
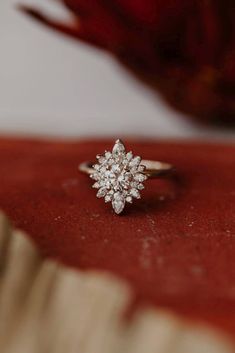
{"x": 119, "y": 175}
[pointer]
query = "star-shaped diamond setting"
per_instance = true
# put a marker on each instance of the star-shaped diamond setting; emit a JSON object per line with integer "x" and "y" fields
{"x": 118, "y": 176}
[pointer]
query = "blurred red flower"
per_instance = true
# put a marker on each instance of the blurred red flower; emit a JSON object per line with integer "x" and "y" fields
{"x": 183, "y": 48}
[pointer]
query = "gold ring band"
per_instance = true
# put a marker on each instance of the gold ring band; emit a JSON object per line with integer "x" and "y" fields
{"x": 153, "y": 169}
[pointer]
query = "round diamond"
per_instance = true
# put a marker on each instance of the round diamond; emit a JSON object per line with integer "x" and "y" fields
{"x": 140, "y": 186}
{"x": 129, "y": 199}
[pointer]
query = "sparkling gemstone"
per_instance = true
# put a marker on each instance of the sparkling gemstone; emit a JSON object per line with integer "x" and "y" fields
{"x": 110, "y": 161}
{"x": 140, "y": 186}
{"x": 95, "y": 176}
{"x": 115, "y": 168}
{"x": 102, "y": 169}
{"x": 129, "y": 199}
{"x": 135, "y": 193}
{"x": 129, "y": 156}
{"x": 108, "y": 154}
{"x": 141, "y": 168}
{"x": 140, "y": 177}
{"x": 118, "y": 148}
{"x": 108, "y": 198}
{"x": 134, "y": 163}
{"x": 118, "y": 202}
{"x": 109, "y": 174}
{"x": 101, "y": 193}
{"x": 118, "y": 206}
{"x": 118, "y": 176}
{"x": 101, "y": 159}
{"x": 125, "y": 162}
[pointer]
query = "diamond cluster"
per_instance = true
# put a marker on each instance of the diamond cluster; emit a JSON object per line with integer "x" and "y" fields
{"x": 118, "y": 176}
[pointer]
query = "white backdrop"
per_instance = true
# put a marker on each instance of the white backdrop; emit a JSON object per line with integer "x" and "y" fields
{"x": 51, "y": 85}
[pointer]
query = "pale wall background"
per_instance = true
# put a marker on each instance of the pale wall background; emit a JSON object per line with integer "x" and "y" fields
{"x": 51, "y": 85}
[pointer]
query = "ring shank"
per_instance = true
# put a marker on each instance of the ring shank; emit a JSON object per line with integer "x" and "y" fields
{"x": 154, "y": 169}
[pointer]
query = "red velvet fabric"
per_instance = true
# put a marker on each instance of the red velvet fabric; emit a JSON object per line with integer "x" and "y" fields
{"x": 175, "y": 246}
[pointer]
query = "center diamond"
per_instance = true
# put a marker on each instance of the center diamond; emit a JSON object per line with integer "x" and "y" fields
{"x": 119, "y": 176}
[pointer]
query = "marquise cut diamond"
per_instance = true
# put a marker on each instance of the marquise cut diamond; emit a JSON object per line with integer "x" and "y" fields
{"x": 118, "y": 176}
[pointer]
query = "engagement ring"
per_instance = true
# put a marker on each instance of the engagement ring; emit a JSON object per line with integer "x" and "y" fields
{"x": 119, "y": 175}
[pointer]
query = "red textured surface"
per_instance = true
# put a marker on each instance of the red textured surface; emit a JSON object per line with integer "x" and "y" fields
{"x": 177, "y": 252}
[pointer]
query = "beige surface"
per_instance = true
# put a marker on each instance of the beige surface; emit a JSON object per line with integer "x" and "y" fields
{"x": 45, "y": 307}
